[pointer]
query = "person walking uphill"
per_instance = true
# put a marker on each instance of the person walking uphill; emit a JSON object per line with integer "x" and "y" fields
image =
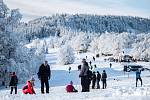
{"x": 13, "y": 83}
{"x": 44, "y": 75}
{"x": 138, "y": 77}
{"x": 104, "y": 76}
{"x": 85, "y": 81}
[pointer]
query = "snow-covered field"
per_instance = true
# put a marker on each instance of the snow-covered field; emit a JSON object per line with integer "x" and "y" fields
{"x": 119, "y": 85}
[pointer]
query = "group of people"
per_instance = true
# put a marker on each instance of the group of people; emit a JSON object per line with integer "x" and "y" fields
{"x": 44, "y": 75}
{"x": 96, "y": 79}
{"x": 86, "y": 75}
{"x": 27, "y": 89}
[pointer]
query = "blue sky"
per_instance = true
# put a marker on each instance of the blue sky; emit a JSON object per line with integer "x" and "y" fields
{"x": 35, "y": 8}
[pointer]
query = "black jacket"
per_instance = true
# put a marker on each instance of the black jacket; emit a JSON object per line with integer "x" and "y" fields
{"x": 94, "y": 77}
{"x": 13, "y": 81}
{"x": 44, "y": 72}
{"x": 104, "y": 75}
{"x": 98, "y": 77}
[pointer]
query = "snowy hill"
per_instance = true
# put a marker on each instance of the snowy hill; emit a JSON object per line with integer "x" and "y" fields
{"x": 119, "y": 86}
{"x": 55, "y": 25}
{"x": 69, "y": 39}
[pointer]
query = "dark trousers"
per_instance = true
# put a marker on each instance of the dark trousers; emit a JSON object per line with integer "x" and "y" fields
{"x": 44, "y": 81}
{"x": 93, "y": 84}
{"x": 13, "y": 87}
{"x": 137, "y": 81}
{"x": 104, "y": 83}
{"x": 85, "y": 83}
{"x": 98, "y": 86}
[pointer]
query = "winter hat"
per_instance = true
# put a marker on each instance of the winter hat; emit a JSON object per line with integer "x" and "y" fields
{"x": 14, "y": 73}
{"x": 83, "y": 60}
{"x": 71, "y": 82}
{"x": 32, "y": 79}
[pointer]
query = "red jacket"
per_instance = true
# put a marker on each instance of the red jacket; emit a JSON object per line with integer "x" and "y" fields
{"x": 69, "y": 88}
{"x": 28, "y": 88}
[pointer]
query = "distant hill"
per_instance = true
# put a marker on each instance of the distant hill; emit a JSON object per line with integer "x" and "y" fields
{"x": 52, "y": 25}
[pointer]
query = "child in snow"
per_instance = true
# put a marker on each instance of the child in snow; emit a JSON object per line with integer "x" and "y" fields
{"x": 29, "y": 87}
{"x": 70, "y": 87}
{"x": 13, "y": 83}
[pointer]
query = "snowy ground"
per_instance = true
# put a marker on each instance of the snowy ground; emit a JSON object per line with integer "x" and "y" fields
{"x": 122, "y": 88}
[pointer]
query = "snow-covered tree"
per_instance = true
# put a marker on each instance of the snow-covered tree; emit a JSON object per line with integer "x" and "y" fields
{"x": 81, "y": 41}
{"x": 94, "y": 45}
{"x": 141, "y": 47}
{"x": 66, "y": 55}
{"x": 14, "y": 56}
{"x": 59, "y": 25}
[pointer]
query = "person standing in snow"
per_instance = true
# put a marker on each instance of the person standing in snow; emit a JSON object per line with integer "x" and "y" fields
{"x": 104, "y": 76}
{"x": 85, "y": 83}
{"x": 93, "y": 58}
{"x": 13, "y": 83}
{"x": 110, "y": 65}
{"x": 69, "y": 69}
{"x": 93, "y": 80}
{"x": 138, "y": 76}
{"x": 90, "y": 63}
{"x": 44, "y": 75}
{"x": 98, "y": 78}
{"x": 95, "y": 66}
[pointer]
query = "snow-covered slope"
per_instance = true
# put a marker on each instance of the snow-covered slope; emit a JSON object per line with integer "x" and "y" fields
{"x": 117, "y": 90}
{"x": 119, "y": 85}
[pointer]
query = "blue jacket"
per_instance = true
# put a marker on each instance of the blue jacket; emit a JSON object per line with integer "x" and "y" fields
{"x": 138, "y": 74}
